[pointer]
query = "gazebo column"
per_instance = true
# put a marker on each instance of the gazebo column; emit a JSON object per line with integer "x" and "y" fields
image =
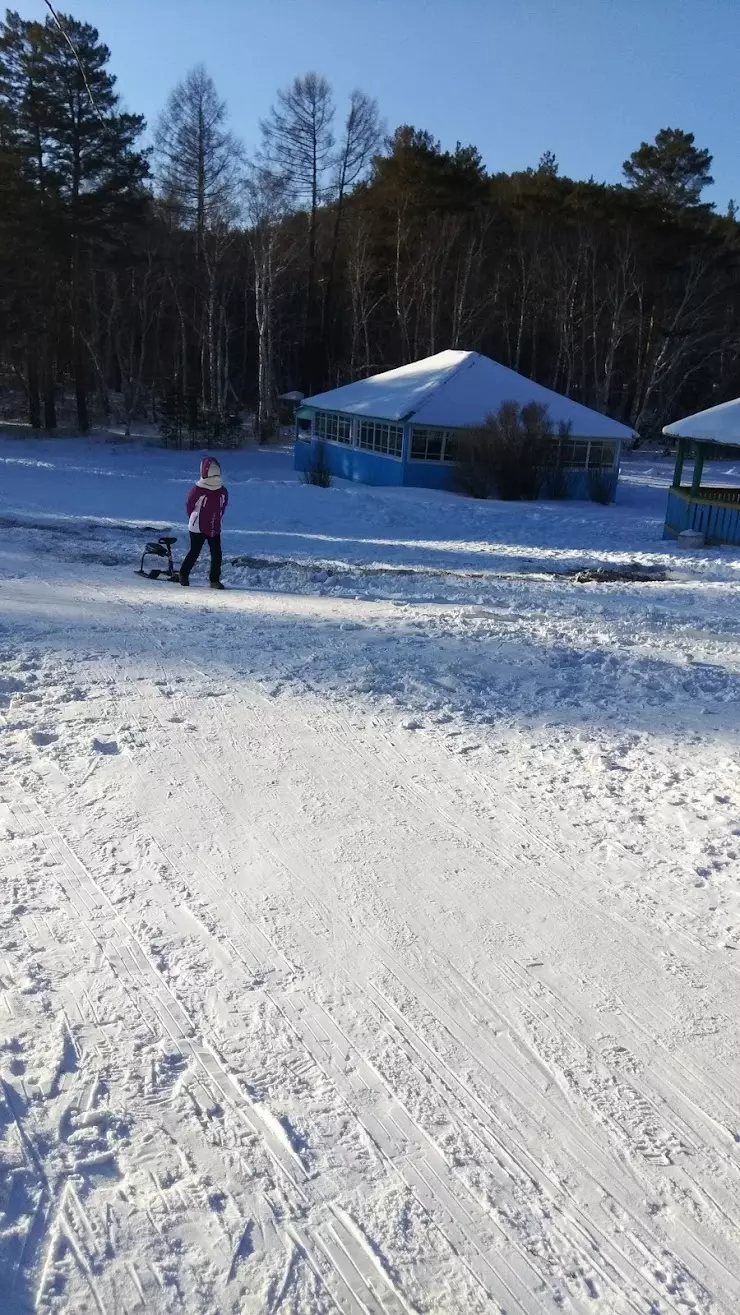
{"x": 698, "y": 467}
{"x": 680, "y": 458}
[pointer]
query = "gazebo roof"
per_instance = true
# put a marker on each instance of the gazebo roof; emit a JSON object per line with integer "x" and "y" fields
{"x": 718, "y": 424}
{"x": 454, "y": 389}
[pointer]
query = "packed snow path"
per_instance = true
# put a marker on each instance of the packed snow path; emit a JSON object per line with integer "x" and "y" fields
{"x": 364, "y": 954}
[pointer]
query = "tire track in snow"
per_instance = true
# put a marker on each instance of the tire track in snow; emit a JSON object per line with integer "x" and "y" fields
{"x": 506, "y": 1292}
{"x": 734, "y": 1167}
{"x": 218, "y": 794}
{"x": 526, "y": 830}
{"x": 126, "y": 964}
{"x": 128, "y": 960}
{"x": 349, "y": 931}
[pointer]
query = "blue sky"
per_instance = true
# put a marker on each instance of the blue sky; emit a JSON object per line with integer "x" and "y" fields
{"x": 588, "y": 79}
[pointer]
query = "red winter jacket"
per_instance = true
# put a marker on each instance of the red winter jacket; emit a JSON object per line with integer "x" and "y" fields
{"x": 206, "y": 506}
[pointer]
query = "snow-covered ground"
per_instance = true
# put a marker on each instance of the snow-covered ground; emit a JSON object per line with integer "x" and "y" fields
{"x": 369, "y": 933}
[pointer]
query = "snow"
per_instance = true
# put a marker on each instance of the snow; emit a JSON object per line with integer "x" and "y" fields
{"x": 369, "y": 935}
{"x": 718, "y": 424}
{"x": 457, "y": 388}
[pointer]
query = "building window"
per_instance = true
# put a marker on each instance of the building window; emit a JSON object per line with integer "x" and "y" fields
{"x": 304, "y": 425}
{"x": 601, "y": 455}
{"x": 376, "y": 436}
{"x": 334, "y": 428}
{"x": 580, "y": 454}
{"x": 573, "y": 454}
{"x": 433, "y": 444}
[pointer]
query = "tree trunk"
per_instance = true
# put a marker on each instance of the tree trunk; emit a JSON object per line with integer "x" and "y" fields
{"x": 326, "y": 308}
{"x": 79, "y": 363}
{"x": 34, "y": 396}
{"x": 264, "y": 388}
{"x": 50, "y": 408}
{"x": 83, "y": 415}
{"x": 212, "y": 347}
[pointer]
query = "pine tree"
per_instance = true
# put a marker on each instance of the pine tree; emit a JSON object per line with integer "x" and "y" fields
{"x": 25, "y": 217}
{"x": 671, "y": 171}
{"x": 79, "y": 159}
{"x": 548, "y": 165}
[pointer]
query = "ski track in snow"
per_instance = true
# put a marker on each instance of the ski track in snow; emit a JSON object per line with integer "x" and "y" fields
{"x": 369, "y": 942}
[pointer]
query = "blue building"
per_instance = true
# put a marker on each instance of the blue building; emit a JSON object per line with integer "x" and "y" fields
{"x": 710, "y": 510}
{"x": 402, "y": 426}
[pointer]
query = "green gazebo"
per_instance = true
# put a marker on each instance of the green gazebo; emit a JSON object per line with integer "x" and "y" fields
{"x": 713, "y": 512}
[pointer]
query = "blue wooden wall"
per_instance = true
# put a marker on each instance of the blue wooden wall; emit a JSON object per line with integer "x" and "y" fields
{"x": 717, "y": 520}
{"x": 371, "y": 468}
{"x": 351, "y": 462}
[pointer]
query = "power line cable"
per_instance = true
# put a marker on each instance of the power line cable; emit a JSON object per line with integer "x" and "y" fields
{"x": 78, "y": 62}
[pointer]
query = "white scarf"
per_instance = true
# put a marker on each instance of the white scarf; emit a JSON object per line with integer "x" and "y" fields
{"x": 211, "y": 482}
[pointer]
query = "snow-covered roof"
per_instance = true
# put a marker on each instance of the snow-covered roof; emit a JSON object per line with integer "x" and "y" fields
{"x": 456, "y": 389}
{"x": 718, "y": 424}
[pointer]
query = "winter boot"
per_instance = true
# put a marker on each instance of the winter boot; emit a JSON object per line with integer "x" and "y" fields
{"x": 216, "y": 584}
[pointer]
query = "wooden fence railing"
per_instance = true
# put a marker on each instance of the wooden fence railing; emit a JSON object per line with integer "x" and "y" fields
{"x": 715, "y": 495}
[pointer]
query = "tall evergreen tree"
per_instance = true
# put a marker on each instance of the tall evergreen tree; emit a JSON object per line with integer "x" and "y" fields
{"x": 80, "y": 158}
{"x": 671, "y": 170}
{"x": 548, "y": 165}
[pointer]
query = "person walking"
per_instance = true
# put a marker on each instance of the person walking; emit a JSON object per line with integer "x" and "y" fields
{"x": 205, "y": 504}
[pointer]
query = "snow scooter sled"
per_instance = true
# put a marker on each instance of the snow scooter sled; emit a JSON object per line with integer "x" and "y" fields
{"x": 162, "y": 547}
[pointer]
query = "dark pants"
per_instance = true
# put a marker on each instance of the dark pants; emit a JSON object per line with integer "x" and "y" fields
{"x": 196, "y": 543}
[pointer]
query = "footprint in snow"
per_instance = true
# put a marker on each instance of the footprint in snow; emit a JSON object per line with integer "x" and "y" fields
{"x": 73, "y": 695}
{"x": 41, "y": 738}
{"x": 105, "y": 746}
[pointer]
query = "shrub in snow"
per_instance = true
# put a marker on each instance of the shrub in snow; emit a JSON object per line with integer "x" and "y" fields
{"x": 507, "y": 457}
{"x": 185, "y": 422}
{"x": 219, "y": 428}
{"x": 600, "y": 486}
{"x": 555, "y": 484}
{"x": 318, "y": 472}
{"x": 267, "y": 429}
{"x": 172, "y": 417}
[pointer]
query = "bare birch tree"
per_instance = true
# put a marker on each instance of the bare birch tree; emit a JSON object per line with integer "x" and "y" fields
{"x": 267, "y": 207}
{"x": 199, "y": 171}
{"x": 361, "y": 137}
{"x": 365, "y": 294}
{"x": 297, "y": 146}
{"x": 198, "y": 159}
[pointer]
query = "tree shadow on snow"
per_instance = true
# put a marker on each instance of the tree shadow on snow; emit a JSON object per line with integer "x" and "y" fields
{"x": 488, "y": 668}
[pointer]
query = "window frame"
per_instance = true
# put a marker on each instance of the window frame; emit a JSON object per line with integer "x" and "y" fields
{"x": 448, "y": 437}
{"x": 336, "y": 420}
{"x": 590, "y": 444}
{"x": 394, "y": 433}
{"x": 327, "y": 426}
{"x": 601, "y": 443}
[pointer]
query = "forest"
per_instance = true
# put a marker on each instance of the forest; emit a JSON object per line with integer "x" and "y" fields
{"x": 157, "y": 273}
